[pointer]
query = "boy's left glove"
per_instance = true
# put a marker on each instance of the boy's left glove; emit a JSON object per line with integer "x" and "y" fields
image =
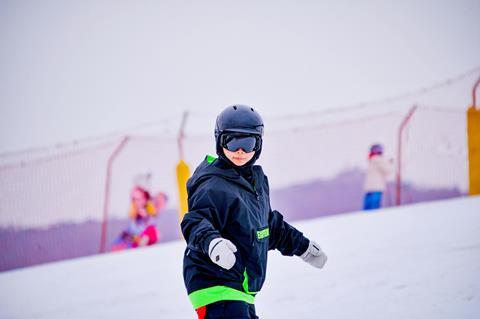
{"x": 314, "y": 255}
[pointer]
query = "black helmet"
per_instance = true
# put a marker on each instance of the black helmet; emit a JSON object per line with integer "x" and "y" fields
{"x": 238, "y": 119}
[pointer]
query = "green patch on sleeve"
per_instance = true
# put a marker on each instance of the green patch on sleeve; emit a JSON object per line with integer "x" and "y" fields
{"x": 261, "y": 234}
{"x": 211, "y": 159}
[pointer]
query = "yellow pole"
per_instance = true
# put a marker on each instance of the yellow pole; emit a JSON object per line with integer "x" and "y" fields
{"x": 183, "y": 174}
{"x": 473, "y": 130}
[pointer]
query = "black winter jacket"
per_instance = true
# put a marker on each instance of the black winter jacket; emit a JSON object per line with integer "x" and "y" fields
{"x": 223, "y": 203}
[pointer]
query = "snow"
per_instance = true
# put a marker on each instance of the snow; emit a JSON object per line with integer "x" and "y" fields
{"x": 417, "y": 261}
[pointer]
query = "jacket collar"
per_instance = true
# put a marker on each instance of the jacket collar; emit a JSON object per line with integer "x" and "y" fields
{"x": 218, "y": 167}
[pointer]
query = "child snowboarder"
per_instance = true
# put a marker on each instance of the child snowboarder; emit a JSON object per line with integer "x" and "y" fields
{"x": 230, "y": 225}
{"x": 376, "y": 181}
{"x": 141, "y": 230}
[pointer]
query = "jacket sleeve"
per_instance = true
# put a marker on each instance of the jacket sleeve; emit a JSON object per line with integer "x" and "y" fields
{"x": 203, "y": 221}
{"x": 284, "y": 237}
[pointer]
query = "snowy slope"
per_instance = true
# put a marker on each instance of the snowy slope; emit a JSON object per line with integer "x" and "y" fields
{"x": 418, "y": 261}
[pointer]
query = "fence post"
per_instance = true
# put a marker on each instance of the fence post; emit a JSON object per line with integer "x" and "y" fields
{"x": 473, "y": 131}
{"x": 106, "y": 199}
{"x": 399, "y": 154}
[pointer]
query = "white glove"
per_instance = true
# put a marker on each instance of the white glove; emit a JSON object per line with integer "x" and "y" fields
{"x": 314, "y": 255}
{"x": 221, "y": 251}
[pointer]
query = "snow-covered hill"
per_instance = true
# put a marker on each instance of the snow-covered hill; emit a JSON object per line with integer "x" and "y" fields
{"x": 418, "y": 261}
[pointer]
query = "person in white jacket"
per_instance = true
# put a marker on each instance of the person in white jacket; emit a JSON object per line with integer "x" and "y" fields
{"x": 376, "y": 181}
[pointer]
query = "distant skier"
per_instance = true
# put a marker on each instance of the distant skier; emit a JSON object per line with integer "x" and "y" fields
{"x": 230, "y": 225}
{"x": 376, "y": 181}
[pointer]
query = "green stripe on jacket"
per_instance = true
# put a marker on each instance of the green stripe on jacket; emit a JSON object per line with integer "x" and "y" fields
{"x": 213, "y": 294}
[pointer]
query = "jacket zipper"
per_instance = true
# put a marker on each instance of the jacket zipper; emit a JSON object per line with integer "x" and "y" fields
{"x": 255, "y": 190}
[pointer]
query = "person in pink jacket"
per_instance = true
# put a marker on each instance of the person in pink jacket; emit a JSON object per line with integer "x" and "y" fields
{"x": 142, "y": 229}
{"x": 376, "y": 182}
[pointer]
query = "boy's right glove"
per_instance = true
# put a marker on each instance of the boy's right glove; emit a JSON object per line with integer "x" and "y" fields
{"x": 314, "y": 255}
{"x": 221, "y": 251}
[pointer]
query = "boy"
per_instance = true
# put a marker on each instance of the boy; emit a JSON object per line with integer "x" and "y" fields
{"x": 230, "y": 225}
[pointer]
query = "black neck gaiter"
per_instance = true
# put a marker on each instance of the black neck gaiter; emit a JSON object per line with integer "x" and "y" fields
{"x": 246, "y": 171}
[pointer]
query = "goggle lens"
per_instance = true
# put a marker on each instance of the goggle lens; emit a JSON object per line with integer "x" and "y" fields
{"x": 248, "y": 143}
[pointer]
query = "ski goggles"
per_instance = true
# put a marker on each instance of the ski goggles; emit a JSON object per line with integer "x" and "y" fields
{"x": 234, "y": 142}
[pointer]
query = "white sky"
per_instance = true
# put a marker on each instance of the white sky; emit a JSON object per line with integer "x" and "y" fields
{"x": 71, "y": 70}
